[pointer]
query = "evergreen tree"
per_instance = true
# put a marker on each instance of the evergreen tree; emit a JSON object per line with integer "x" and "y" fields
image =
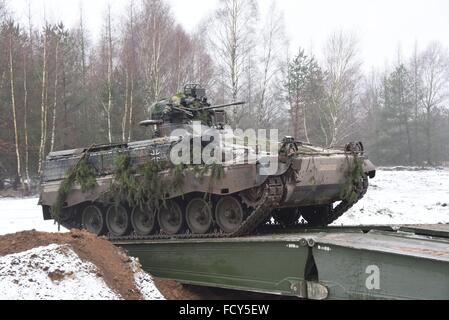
{"x": 396, "y": 145}
{"x": 304, "y": 88}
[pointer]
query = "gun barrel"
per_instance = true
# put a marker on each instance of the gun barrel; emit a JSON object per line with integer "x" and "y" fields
{"x": 224, "y": 106}
{"x": 185, "y": 110}
{"x": 148, "y": 123}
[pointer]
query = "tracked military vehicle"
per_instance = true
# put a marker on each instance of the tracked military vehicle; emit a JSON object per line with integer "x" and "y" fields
{"x": 135, "y": 191}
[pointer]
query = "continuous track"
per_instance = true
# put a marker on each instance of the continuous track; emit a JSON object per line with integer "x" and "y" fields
{"x": 270, "y": 199}
{"x": 254, "y": 224}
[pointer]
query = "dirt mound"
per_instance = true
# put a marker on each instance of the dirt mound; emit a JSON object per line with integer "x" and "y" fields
{"x": 172, "y": 290}
{"x": 114, "y": 266}
{"x": 62, "y": 256}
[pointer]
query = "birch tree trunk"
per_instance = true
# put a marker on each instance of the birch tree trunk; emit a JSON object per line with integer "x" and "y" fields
{"x": 131, "y": 109}
{"x": 83, "y": 45}
{"x": 132, "y": 67}
{"x": 13, "y": 104}
{"x": 110, "y": 66}
{"x": 25, "y": 120}
{"x": 304, "y": 118}
{"x": 416, "y": 97}
{"x": 27, "y": 51}
{"x": 43, "y": 104}
{"x": 82, "y": 40}
{"x": 125, "y": 114}
{"x": 55, "y": 103}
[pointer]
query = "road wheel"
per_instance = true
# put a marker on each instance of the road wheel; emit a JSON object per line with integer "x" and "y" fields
{"x": 229, "y": 214}
{"x": 118, "y": 221}
{"x": 199, "y": 216}
{"x": 143, "y": 221}
{"x": 93, "y": 220}
{"x": 171, "y": 218}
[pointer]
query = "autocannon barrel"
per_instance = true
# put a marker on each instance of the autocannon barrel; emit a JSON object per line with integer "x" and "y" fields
{"x": 224, "y": 105}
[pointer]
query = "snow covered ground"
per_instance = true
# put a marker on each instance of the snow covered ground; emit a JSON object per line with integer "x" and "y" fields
{"x": 403, "y": 197}
{"x": 51, "y": 273}
{"x": 23, "y": 214}
{"x": 56, "y": 272}
{"x": 395, "y": 197}
{"x": 145, "y": 283}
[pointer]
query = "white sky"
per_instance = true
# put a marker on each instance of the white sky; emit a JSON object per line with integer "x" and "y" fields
{"x": 382, "y": 26}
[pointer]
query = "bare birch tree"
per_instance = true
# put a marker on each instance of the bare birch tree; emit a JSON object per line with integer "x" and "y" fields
{"x": 12, "y": 31}
{"x": 60, "y": 34}
{"x": 27, "y": 53}
{"x": 156, "y": 28}
{"x": 109, "y": 52}
{"x": 343, "y": 75}
{"x": 44, "y": 109}
{"x": 130, "y": 56}
{"x": 82, "y": 38}
{"x": 231, "y": 36}
{"x": 273, "y": 42}
{"x": 202, "y": 64}
{"x": 435, "y": 78}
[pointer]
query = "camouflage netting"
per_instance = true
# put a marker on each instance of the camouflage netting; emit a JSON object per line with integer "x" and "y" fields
{"x": 84, "y": 174}
{"x": 147, "y": 185}
{"x": 143, "y": 185}
{"x": 354, "y": 178}
{"x": 150, "y": 184}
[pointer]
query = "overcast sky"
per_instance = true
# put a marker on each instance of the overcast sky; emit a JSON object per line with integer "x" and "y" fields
{"x": 382, "y": 26}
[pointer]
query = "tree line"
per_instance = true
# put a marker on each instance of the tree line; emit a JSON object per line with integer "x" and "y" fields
{"x": 60, "y": 89}
{"x": 401, "y": 114}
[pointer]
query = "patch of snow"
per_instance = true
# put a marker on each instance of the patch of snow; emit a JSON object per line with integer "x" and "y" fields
{"x": 144, "y": 282}
{"x": 51, "y": 273}
{"x": 402, "y": 168}
{"x": 403, "y": 197}
{"x": 23, "y": 214}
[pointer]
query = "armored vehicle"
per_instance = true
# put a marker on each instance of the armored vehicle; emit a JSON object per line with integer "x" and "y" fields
{"x": 136, "y": 190}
